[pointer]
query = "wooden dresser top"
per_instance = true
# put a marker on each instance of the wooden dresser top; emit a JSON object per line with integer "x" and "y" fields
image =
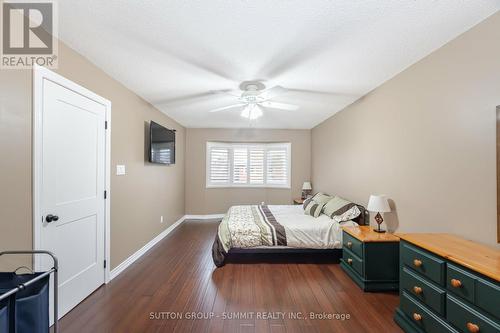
{"x": 477, "y": 257}
{"x": 365, "y": 234}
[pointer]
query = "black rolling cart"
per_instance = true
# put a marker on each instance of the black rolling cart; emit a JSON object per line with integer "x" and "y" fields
{"x": 24, "y": 298}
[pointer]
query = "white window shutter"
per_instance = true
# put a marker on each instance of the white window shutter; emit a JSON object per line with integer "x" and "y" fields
{"x": 256, "y": 166}
{"x": 248, "y": 164}
{"x": 219, "y": 166}
{"x": 240, "y": 165}
{"x": 277, "y": 166}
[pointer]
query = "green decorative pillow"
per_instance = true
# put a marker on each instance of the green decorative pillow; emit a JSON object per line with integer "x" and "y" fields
{"x": 341, "y": 210}
{"x": 313, "y": 208}
{"x": 321, "y": 198}
{"x": 306, "y": 202}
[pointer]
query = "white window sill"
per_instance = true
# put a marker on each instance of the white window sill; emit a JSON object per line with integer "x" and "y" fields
{"x": 284, "y": 187}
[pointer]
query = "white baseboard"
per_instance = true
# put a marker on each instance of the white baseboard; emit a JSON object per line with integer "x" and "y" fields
{"x": 204, "y": 217}
{"x": 139, "y": 253}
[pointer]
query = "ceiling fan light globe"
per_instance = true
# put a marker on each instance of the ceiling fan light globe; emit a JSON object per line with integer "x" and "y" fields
{"x": 245, "y": 113}
{"x": 251, "y": 111}
{"x": 255, "y": 113}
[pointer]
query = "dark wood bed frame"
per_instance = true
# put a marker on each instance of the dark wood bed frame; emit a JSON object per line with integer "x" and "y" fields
{"x": 264, "y": 255}
{"x": 247, "y": 255}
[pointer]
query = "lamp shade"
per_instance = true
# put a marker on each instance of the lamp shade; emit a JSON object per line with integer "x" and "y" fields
{"x": 378, "y": 203}
{"x": 307, "y": 186}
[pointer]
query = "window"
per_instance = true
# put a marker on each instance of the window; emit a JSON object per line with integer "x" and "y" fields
{"x": 248, "y": 164}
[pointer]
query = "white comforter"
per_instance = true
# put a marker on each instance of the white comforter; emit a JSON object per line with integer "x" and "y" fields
{"x": 305, "y": 231}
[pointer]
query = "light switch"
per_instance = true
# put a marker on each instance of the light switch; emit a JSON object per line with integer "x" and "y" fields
{"x": 120, "y": 170}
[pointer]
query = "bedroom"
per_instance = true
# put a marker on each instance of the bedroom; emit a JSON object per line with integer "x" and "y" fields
{"x": 367, "y": 107}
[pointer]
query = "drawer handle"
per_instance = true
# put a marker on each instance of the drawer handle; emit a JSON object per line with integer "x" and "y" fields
{"x": 456, "y": 283}
{"x": 417, "y": 290}
{"x": 349, "y": 244}
{"x": 349, "y": 261}
{"x": 473, "y": 328}
{"x": 417, "y": 316}
{"x": 417, "y": 262}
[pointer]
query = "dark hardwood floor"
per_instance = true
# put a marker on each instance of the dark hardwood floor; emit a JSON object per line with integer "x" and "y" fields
{"x": 178, "y": 278}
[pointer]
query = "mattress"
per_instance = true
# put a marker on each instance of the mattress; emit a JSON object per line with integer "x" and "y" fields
{"x": 275, "y": 227}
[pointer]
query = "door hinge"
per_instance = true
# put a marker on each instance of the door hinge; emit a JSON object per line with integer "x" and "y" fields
{"x": 105, "y": 194}
{"x": 106, "y": 124}
{"x": 104, "y": 263}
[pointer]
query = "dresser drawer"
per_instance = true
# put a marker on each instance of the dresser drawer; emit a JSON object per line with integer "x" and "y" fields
{"x": 424, "y": 290}
{"x": 353, "y": 260}
{"x": 476, "y": 290}
{"x": 488, "y": 297}
{"x": 460, "y": 282}
{"x": 467, "y": 319}
{"x": 421, "y": 316}
{"x": 423, "y": 262}
{"x": 353, "y": 244}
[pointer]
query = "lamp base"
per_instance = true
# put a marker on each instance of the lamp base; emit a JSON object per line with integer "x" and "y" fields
{"x": 305, "y": 194}
{"x": 379, "y": 220}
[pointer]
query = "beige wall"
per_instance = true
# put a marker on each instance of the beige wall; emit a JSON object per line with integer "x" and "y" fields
{"x": 15, "y": 162}
{"x": 138, "y": 199}
{"x": 200, "y": 200}
{"x": 426, "y": 138}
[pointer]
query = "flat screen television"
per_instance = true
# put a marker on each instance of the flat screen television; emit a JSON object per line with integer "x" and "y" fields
{"x": 161, "y": 144}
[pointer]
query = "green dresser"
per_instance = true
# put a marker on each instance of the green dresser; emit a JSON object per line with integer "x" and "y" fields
{"x": 370, "y": 258}
{"x": 448, "y": 284}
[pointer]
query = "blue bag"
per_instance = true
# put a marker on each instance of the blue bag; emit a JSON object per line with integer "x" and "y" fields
{"x": 28, "y": 310}
{"x": 4, "y": 316}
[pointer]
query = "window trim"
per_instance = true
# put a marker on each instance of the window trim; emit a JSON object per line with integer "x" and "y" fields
{"x": 231, "y": 146}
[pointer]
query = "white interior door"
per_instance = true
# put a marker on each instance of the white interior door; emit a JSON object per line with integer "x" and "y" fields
{"x": 71, "y": 187}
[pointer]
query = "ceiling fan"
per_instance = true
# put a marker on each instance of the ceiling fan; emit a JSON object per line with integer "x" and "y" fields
{"x": 254, "y": 96}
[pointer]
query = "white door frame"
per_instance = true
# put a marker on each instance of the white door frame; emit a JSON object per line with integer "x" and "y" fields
{"x": 39, "y": 75}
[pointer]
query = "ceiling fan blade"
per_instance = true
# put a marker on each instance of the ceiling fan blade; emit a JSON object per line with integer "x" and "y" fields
{"x": 280, "y": 106}
{"x": 318, "y": 92}
{"x": 233, "y": 93}
{"x": 211, "y": 62}
{"x": 185, "y": 99}
{"x": 192, "y": 98}
{"x": 227, "y": 107}
{"x": 273, "y": 92}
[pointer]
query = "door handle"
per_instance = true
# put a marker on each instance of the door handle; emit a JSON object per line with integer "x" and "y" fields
{"x": 51, "y": 218}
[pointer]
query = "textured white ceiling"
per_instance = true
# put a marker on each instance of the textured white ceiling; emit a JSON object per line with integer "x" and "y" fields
{"x": 166, "y": 51}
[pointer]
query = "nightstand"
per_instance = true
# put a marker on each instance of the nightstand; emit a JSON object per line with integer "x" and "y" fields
{"x": 371, "y": 259}
{"x": 298, "y": 201}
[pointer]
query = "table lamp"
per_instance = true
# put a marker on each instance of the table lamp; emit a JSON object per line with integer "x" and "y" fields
{"x": 378, "y": 204}
{"x": 306, "y": 190}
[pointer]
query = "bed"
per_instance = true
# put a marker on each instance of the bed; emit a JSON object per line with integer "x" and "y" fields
{"x": 277, "y": 228}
